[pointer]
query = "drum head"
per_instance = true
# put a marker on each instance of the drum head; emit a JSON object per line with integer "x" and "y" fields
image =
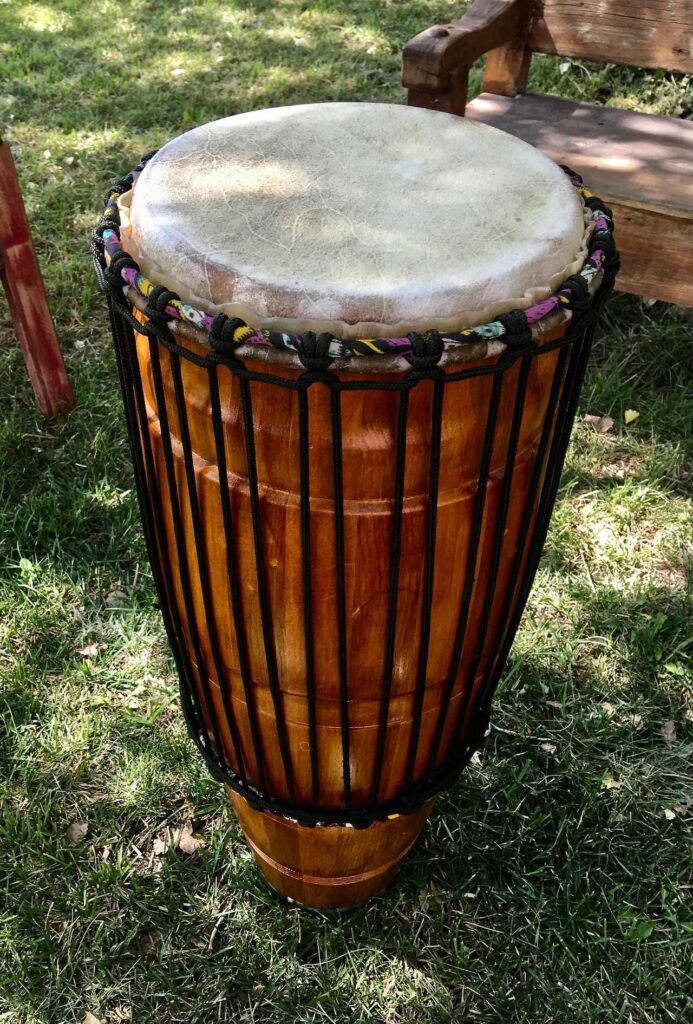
{"x": 355, "y": 218}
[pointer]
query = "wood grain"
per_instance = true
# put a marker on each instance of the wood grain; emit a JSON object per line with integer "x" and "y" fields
{"x": 507, "y": 66}
{"x": 653, "y": 34}
{"x": 625, "y": 158}
{"x": 656, "y": 253}
{"x": 450, "y": 100}
{"x": 26, "y": 296}
{"x": 328, "y": 866}
{"x": 429, "y": 57}
{"x": 369, "y": 420}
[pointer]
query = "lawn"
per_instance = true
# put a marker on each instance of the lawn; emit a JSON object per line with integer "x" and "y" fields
{"x": 555, "y": 881}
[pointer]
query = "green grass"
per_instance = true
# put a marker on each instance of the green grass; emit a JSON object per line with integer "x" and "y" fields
{"x": 554, "y": 883}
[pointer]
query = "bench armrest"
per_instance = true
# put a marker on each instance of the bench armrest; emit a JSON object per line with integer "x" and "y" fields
{"x": 429, "y": 59}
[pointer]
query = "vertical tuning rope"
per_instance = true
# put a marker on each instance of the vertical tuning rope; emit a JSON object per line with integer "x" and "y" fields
{"x": 240, "y": 748}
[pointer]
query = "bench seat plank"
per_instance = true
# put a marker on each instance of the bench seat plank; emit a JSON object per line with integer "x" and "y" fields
{"x": 641, "y": 164}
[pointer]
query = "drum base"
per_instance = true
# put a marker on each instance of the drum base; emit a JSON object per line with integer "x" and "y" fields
{"x": 328, "y": 866}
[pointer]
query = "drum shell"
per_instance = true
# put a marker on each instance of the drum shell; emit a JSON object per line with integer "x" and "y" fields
{"x": 369, "y": 423}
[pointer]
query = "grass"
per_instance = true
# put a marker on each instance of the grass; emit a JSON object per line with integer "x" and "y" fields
{"x": 554, "y": 882}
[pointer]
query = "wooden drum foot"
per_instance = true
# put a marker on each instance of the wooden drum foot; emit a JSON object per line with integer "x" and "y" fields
{"x": 327, "y": 865}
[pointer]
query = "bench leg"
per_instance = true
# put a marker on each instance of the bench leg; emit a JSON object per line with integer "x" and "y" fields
{"x": 26, "y": 296}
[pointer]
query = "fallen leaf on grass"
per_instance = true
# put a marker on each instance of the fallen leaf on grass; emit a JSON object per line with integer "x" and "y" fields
{"x": 152, "y": 860}
{"x": 669, "y": 733}
{"x": 669, "y": 814}
{"x": 76, "y": 831}
{"x": 609, "y": 782}
{"x": 159, "y": 846}
{"x": 604, "y": 424}
{"x": 187, "y": 842}
{"x": 89, "y": 1018}
{"x": 115, "y": 598}
{"x": 630, "y": 416}
{"x": 549, "y": 748}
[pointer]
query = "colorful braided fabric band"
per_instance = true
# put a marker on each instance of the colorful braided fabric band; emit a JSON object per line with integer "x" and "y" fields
{"x": 513, "y": 328}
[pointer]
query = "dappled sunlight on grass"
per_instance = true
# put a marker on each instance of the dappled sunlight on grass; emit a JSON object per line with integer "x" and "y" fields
{"x": 551, "y": 882}
{"x": 42, "y": 18}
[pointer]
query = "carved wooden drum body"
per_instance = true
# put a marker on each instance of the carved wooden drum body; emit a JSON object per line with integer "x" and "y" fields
{"x": 351, "y": 339}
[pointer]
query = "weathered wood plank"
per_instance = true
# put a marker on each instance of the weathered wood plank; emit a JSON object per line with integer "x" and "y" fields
{"x": 507, "y": 66}
{"x": 656, "y": 253}
{"x": 429, "y": 57}
{"x": 653, "y": 34}
{"x": 640, "y": 164}
{"x": 641, "y": 158}
{"x": 451, "y": 100}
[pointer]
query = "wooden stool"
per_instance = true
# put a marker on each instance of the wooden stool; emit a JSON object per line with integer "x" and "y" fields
{"x": 26, "y": 295}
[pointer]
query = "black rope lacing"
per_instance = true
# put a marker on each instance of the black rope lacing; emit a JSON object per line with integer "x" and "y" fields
{"x": 314, "y": 352}
{"x": 180, "y": 570}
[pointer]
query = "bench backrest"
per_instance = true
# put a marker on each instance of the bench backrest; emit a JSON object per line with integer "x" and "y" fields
{"x": 644, "y": 33}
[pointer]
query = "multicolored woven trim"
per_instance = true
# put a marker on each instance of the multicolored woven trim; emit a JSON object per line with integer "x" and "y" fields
{"x": 515, "y": 327}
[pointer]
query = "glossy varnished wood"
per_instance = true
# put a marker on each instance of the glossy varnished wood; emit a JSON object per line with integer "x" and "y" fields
{"x": 286, "y": 851}
{"x": 328, "y": 866}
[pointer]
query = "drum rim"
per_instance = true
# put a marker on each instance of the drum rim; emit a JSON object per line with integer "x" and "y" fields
{"x": 232, "y": 336}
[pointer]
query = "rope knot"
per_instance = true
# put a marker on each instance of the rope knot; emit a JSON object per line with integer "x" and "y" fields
{"x": 221, "y": 335}
{"x": 571, "y": 173}
{"x": 119, "y": 187}
{"x": 113, "y": 273}
{"x": 426, "y": 350}
{"x": 518, "y": 333}
{"x": 159, "y": 298}
{"x": 316, "y": 351}
{"x": 577, "y": 292}
{"x": 605, "y": 242}
{"x": 596, "y": 205}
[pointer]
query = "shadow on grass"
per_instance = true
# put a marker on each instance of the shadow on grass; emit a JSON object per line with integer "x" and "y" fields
{"x": 516, "y": 851}
{"x": 524, "y": 854}
{"x": 255, "y": 56}
{"x": 535, "y": 894}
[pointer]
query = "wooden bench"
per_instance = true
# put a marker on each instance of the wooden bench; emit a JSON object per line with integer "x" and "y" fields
{"x": 641, "y": 164}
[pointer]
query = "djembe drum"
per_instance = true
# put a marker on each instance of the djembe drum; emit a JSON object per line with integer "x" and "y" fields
{"x": 351, "y": 339}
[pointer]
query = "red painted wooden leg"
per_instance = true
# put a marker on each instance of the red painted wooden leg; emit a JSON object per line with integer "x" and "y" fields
{"x": 26, "y": 295}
